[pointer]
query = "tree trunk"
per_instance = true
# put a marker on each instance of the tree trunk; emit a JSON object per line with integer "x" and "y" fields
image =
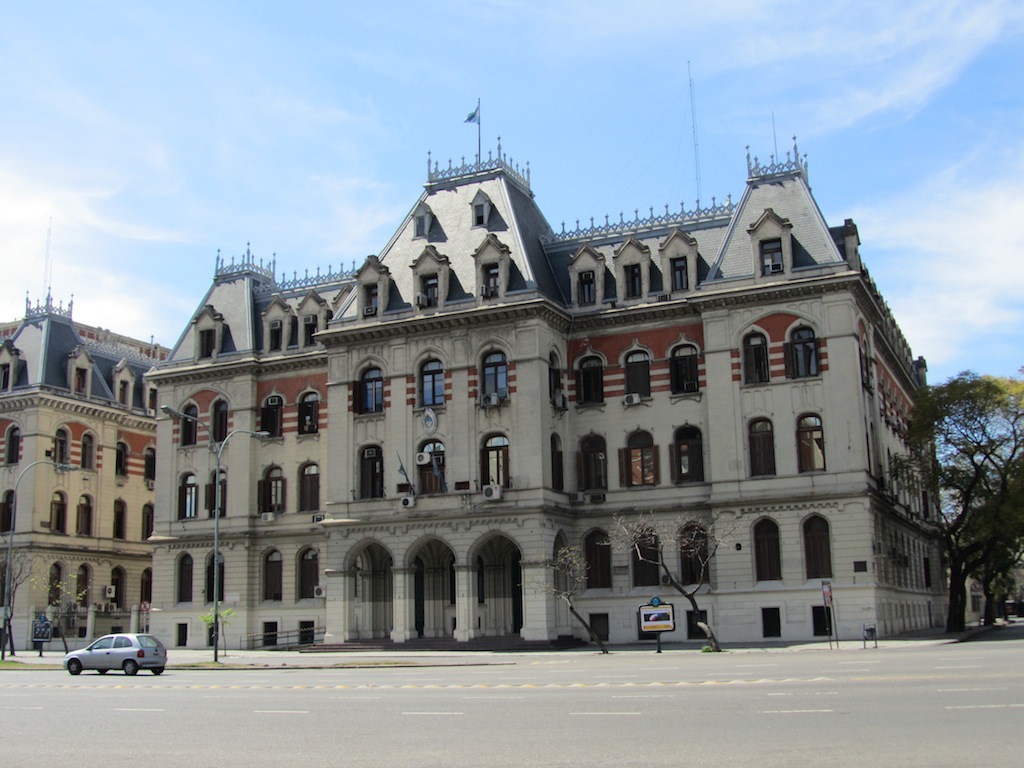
{"x": 586, "y": 626}
{"x": 708, "y": 632}
{"x": 955, "y": 617}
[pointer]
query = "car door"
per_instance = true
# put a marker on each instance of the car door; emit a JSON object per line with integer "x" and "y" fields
{"x": 99, "y": 653}
{"x": 123, "y": 649}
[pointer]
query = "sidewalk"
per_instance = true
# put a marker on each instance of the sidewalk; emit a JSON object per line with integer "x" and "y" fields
{"x": 399, "y": 656}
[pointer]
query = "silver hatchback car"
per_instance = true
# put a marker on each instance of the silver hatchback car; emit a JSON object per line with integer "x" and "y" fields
{"x": 127, "y": 652}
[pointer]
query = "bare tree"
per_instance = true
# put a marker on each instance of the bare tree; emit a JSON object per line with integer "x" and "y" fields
{"x": 692, "y": 543}
{"x": 20, "y": 572}
{"x": 570, "y": 574}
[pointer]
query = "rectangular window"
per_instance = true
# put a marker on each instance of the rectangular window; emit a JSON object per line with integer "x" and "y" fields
{"x": 771, "y": 622}
{"x": 771, "y": 257}
{"x": 431, "y": 292}
{"x": 683, "y": 373}
{"x": 276, "y": 336}
{"x": 821, "y": 620}
{"x": 492, "y": 281}
{"x": 310, "y": 326}
{"x": 478, "y": 215}
{"x": 587, "y": 288}
{"x": 678, "y": 275}
{"x": 693, "y": 630}
{"x": 122, "y": 392}
{"x": 207, "y": 342}
{"x": 81, "y": 376}
{"x": 633, "y": 275}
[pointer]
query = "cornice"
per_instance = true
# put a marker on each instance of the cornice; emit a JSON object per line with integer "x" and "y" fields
{"x": 82, "y": 408}
{"x": 218, "y": 368}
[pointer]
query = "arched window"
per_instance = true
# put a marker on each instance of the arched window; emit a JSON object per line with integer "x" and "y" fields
{"x": 597, "y": 551}
{"x": 61, "y": 450}
{"x": 430, "y": 465}
{"x": 309, "y": 573}
{"x": 755, "y": 359}
{"x": 7, "y": 513}
{"x": 270, "y": 415}
{"x": 118, "y": 582}
{"x": 371, "y": 473}
{"x": 590, "y": 381}
{"x": 273, "y": 576}
{"x": 593, "y": 464}
{"x": 802, "y": 354}
{"x": 208, "y": 594}
{"x": 638, "y": 461}
{"x": 271, "y": 491}
{"x": 554, "y": 380}
{"x": 557, "y": 464}
{"x": 184, "y": 591}
{"x": 817, "y": 548}
{"x": 121, "y": 460}
{"x": 370, "y": 397}
{"x": 188, "y": 425}
{"x": 12, "y": 446}
{"x": 188, "y": 497}
{"x": 767, "y": 556}
{"x": 146, "y": 586}
{"x": 495, "y": 375}
{"x": 149, "y": 465}
{"x": 58, "y": 513}
{"x": 638, "y": 374}
{"x": 810, "y": 443}
{"x": 83, "y": 517}
{"x": 432, "y": 383}
{"x": 688, "y": 456}
{"x": 120, "y": 520}
{"x": 683, "y": 376}
{"x": 646, "y": 555}
{"x": 219, "y": 419}
{"x": 494, "y": 469}
{"x": 82, "y": 585}
{"x": 309, "y": 488}
{"x": 147, "y": 521}
{"x": 55, "y": 586}
{"x": 693, "y": 554}
{"x": 762, "y": 447}
{"x": 88, "y": 457}
{"x": 309, "y": 413}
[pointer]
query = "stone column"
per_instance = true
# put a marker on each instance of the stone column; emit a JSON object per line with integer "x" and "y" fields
{"x": 404, "y": 604}
{"x": 465, "y": 603}
{"x": 538, "y": 605}
{"x": 338, "y": 606}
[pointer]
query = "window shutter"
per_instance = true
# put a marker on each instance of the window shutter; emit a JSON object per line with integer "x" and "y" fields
{"x": 788, "y": 351}
{"x": 262, "y": 495}
{"x": 623, "y": 467}
{"x": 284, "y": 495}
{"x": 673, "y": 460}
{"x": 210, "y": 492}
{"x": 182, "y": 491}
{"x": 579, "y": 386}
{"x": 657, "y": 466}
{"x": 579, "y": 471}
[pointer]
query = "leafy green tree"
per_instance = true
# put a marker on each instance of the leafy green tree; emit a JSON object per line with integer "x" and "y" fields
{"x": 225, "y": 616}
{"x": 967, "y": 437}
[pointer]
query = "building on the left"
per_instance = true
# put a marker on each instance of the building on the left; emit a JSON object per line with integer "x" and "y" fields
{"x": 75, "y": 395}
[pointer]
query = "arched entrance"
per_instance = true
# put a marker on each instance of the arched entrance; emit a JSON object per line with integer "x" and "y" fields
{"x": 498, "y": 586}
{"x": 372, "y": 597}
{"x": 434, "y": 589}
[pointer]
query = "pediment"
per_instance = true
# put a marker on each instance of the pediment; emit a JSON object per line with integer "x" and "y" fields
{"x": 586, "y": 257}
{"x": 770, "y": 221}
{"x": 428, "y": 259}
{"x": 631, "y": 251}
{"x": 491, "y": 247}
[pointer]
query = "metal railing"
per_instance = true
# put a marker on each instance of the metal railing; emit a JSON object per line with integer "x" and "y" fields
{"x": 282, "y": 639}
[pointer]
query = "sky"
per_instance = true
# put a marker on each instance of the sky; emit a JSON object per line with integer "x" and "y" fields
{"x": 138, "y": 140}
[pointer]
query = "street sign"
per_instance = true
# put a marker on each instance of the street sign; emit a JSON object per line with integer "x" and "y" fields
{"x": 657, "y": 616}
{"x": 42, "y": 630}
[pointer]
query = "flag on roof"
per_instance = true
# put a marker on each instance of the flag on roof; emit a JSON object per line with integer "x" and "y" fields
{"x": 474, "y": 116}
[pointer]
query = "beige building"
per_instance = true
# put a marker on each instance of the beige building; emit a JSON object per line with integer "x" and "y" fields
{"x": 76, "y": 395}
{"x": 487, "y": 390}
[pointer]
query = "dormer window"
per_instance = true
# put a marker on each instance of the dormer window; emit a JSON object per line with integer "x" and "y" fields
{"x": 492, "y": 281}
{"x": 677, "y": 274}
{"x": 274, "y": 343}
{"x": 771, "y": 257}
{"x": 5, "y": 377}
{"x": 479, "y": 219}
{"x": 632, "y": 270}
{"x": 309, "y": 328}
{"x": 123, "y": 391}
{"x": 207, "y": 342}
{"x": 422, "y": 218}
{"x": 420, "y": 226}
{"x": 370, "y": 308}
{"x": 430, "y": 291}
{"x": 81, "y": 380}
{"x": 633, "y": 275}
{"x": 587, "y": 287}
{"x": 481, "y": 208}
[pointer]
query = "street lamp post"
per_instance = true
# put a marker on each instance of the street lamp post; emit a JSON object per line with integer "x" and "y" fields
{"x": 9, "y": 576}
{"x": 216, "y": 449}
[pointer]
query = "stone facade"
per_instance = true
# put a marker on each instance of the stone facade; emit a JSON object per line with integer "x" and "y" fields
{"x": 487, "y": 390}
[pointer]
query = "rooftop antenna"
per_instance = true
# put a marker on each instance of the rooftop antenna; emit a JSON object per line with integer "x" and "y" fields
{"x": 775, "y": 140}
{"x": 47, "y": 263}
{"x": 693, "y": 121}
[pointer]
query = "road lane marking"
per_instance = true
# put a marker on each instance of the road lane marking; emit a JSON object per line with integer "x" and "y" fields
{"x": 433, "y": 714}
{"x": 604, "y": 714}
{"x": 988, "y": 706}
{"x": 968, "y": 690}
{"x": 796, "y": 711}
{"x": 281, "y": 711}
{"x": 960, "y": 666}
{"x": 137, "y": 709}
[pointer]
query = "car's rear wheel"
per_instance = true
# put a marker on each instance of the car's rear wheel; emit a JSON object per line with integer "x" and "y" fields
{"x": 131, "y": 667}
{"x": 158, "y": 670}
{"x": 74, "y": 666}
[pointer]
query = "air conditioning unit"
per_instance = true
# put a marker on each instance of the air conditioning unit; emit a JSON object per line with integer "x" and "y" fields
{"x": 690, "y": 386}
{"x": 631, "y": 399}
{"x": 596, "y": 498}
{"x": 775, "y": 267}
{"x": 577, "y": 497}
{"x": 493, "y": 492}
{"x": 151, "y": 411}
{"x": 560, "y": 401}
{"x": 309, "y": 320}
{"x": 666, "y": 579}
{"x": 110, "y": 591}
{"x": 408, "y": 501}
{"x": 369, "y": 311}
{"x": 150, "y": 483}
{"x": 488, "y": 293}
{"x": 490, "y": 400}
{"x": 319, "y": 591}
{"x": 422, "y": 458}
{"x": 664, "y": 297}
{"x": 267, "y": 517}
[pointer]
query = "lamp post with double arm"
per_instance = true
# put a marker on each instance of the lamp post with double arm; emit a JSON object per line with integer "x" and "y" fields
{"x": 9, "y": 574}
{"x": 217, "y": 449}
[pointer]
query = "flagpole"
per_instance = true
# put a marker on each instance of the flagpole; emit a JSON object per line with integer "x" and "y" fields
{"x": 479, "y": 155}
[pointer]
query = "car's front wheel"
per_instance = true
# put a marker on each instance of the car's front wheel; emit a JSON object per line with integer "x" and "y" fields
{"x": 74, "y": 666}
{"x": 157, "y": 670}
{"x": 131, "y": 667}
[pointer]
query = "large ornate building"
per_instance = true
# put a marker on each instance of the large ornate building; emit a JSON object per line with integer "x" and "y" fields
{"x": 75, "y": 395}
{"x": 487, "y": 390}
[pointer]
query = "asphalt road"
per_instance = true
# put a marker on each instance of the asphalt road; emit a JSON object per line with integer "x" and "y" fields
{"x": 938, "y": 705}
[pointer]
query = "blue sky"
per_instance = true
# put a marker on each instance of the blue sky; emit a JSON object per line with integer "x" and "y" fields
{"x": 153, "y": 135}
